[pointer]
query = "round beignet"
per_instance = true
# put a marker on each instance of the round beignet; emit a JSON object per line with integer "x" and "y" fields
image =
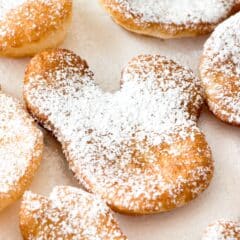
{"x": 170, "y": 19}
{"x": 30, "y": 26}
{"x": 20, "y": 150}
{"x": 70, "y": 214}
{"x": 222, "y": 230}
{"x": 220, "y": 71}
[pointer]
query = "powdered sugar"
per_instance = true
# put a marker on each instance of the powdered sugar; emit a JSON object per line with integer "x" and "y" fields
{"x": 17, "y": 143}
{"x": 220, "y": 69}
{"x": 27, "y": 21}
{"x": 109, "y": 139}
{"x": 174, "y": 11}
{"x": 223, "y": 47}
{"x": 8, "y": 5}
{"x": 68, "y": 212}
{"x": 223, "y": 230}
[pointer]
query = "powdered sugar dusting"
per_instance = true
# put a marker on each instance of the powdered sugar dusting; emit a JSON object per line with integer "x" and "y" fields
{"x": 220, "y": 69}
{"x": 223, "y": 230}
{"x": 185, "y": 12}
{"x": 17, "y": 143}
{"x": 26, "y": 21}
{"x": 6, "y": 6}
{"x": 113, "y": 141}
{"x": 69, "y": 213}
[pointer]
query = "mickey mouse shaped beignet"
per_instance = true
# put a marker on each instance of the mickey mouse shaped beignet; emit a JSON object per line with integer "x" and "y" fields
{"x": 223, "y": 230}
{"x": 70, "y": 214}
{"x": 220, "y": 71}
{"x": 30, "y": 26}
{"x": 170, "y": 18}
{"x": 21, "y": 147}
{"x": 139, "y": 148}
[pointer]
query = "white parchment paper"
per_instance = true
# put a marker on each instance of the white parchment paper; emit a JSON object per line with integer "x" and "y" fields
{"x": 107, "y": 48}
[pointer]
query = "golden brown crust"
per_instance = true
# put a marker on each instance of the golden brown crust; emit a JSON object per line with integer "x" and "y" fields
{"x": 160, "y": 30}
{"x": 34, "y": 26}
{"x": 68, "y": 213}
{"x": 223, "y": 229}
{"x": 155, "y": 177}
{"x": 173, "y": 167}
{"x": 219, "y": 71}
{"x": 219, "y": 80}
{"x": 19, "y": 166}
